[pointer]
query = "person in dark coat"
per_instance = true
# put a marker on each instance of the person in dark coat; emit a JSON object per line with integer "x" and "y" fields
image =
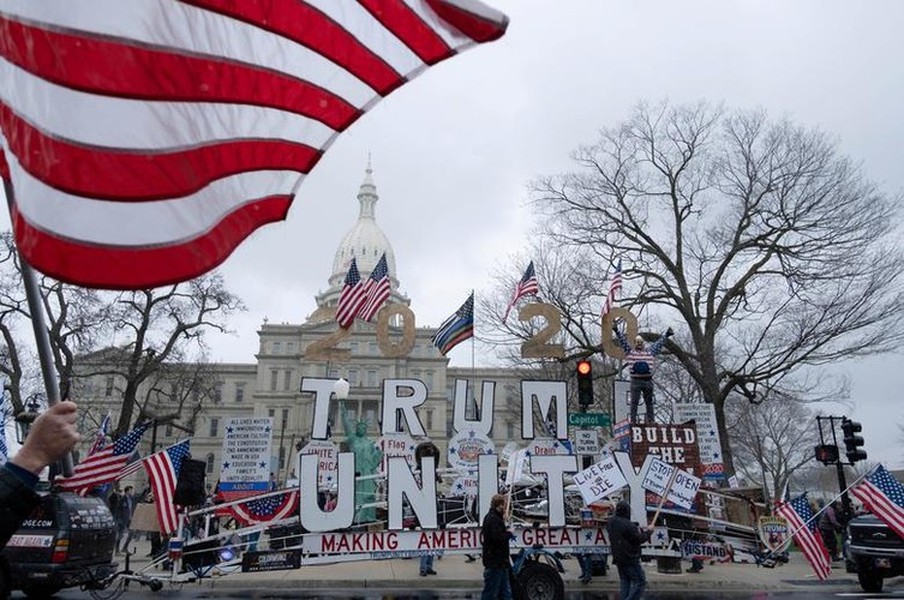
{"x": 496, "y": 553}
{"x": 626, "y": 537}
{"x": 53, "y": 435}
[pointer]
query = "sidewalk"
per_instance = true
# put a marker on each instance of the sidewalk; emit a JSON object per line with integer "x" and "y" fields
{"x": 453, "y": 572}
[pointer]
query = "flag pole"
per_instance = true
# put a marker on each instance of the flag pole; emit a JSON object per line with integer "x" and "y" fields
{"x": 42, "y": 338}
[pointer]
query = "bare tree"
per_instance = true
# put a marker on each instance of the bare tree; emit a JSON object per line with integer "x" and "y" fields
{"x": 769, "y": 247}
{"x": 771, "y": 440}
{"x": 166, "y": 325}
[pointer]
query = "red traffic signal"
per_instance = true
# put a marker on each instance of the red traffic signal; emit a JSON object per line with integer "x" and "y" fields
{"x": 827, "y": 454}
{"x": 585, "y": 382}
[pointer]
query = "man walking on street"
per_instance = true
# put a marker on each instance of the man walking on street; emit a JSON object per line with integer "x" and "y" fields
{"x": 626, "y": 538}
{"x": 496, "y": 559}
{"x": 123, "y": 516}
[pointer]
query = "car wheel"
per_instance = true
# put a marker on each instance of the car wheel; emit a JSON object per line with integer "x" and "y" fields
{"x": 41, "y": 591}
{"x": 540, "y": 581}
{"x": 870, "y": 581}
{"x": 5, "y": 585}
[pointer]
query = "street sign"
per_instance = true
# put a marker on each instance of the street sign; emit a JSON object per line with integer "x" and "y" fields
{"x": 586, "y": 442}
{"x": 589, "y": 419}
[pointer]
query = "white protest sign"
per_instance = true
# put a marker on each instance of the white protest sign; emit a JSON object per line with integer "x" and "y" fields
{"x": 466, "y": 446}
{"x": 246, "y": 456}
{"x": 684, "y": 489}
{"x": 656, "y": 475}
{"x": 586, "y": 441}
{"x": 397, "y": 444}
{"x": 704, "y": 415}
{"x": 327, "y": 461}
{"x": 600, "y": 480}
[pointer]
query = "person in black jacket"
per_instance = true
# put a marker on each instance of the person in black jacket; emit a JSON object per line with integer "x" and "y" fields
{"x": 496, "y": 553}
{"x": 52, "y": 436}
{"x": 626, "y": 538}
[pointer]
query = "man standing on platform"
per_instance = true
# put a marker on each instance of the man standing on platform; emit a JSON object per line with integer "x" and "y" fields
{"x": 641, "y": 362}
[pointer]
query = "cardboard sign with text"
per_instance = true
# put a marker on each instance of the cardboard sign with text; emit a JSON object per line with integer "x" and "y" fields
{"x": 600, "y": 480}
{"x": 656, "y": 476}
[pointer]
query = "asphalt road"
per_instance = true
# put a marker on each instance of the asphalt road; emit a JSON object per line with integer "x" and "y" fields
{"x": 192, "y": 592}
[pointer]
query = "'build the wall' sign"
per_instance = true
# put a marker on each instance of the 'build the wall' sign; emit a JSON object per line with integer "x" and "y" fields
{"x": 674, "y": 444}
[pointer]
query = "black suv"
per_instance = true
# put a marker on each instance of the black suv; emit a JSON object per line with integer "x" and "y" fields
{"x": 67, "y": 541}
{"x": 872, "y": 551}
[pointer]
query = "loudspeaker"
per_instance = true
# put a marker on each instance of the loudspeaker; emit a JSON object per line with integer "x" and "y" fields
{"x": 190, "y": 485}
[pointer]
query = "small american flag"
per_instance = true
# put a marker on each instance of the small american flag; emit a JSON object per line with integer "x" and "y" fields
{"x": 883, "y": 495}
{"x": 801, "y": 522}
{"x": 377, "y": 287}
{"x": 528, "y": 286}
{"x": 101, "y": 438}
{"x": 351, "y": 298}
{"x": 106, "y": 465}
{"x": 270, "y": 508}
{"x": 163, "y": 472}
{"x": 615, "y": 285}
{"x": 457, "y": 328}
{"x": 6, "y": 411}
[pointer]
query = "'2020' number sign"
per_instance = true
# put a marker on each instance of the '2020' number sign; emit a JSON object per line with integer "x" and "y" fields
{"x": 537, "y": 346}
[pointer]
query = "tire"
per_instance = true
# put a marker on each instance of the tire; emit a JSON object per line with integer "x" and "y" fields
{"x": 870, "y": 581}
{"x": 37, "y": 592}
{"x": 5, "y": 583}
{"x": 539, "y": 581}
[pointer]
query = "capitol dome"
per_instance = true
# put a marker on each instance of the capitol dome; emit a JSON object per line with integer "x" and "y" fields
{"x": 365, "y": 242}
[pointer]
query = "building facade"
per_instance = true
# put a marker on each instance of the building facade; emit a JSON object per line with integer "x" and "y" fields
{"x": 388, "y": 348}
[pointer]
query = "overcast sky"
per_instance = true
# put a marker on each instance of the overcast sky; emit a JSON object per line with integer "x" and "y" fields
{"x": 454, "y": 150}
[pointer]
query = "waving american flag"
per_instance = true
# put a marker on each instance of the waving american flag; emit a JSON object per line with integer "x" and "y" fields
{"x": 145, "y": 139}
{"x": 883, "y": 495}
{"x": 105, "y": 465}
{"x": 272, "y": 507}
{"x": 528, "y": 286}
{"x": 803, "y": 526}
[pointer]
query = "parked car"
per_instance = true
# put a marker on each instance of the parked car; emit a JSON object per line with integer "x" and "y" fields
{"x": 872, "y": 551}
{"x": 67, "y": 541}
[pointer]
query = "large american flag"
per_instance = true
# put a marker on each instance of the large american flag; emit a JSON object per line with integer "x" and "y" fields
{"x": 145, "y": 139}
{"x": 457, "y": 328}
{"x": 163, "y": 472}
{"x": 528, "y": 286}
{"x": 377, "y": 287}
{"x": 104, "y": 466}
{"x": 615, "y": 286}
{"x": 803, "y": 527}
{"x": 272, "y": 507}
{"x": 883, "y": 495}
{"x": 351, "y": 298}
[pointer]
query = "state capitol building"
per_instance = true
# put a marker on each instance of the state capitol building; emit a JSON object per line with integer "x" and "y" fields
{"x": 270, "y": 386}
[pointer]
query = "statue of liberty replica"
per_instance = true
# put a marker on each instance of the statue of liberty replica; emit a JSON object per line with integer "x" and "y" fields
{"x": 367, "y": 462}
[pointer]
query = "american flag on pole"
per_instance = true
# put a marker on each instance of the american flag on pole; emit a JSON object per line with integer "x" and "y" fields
{"x": 163, "y": 473}
{"x": 457, "y": 328}
{"x": 528, "y": 286}
{"x": 104, "y": 466}
{"x": 270, "y": 508}
{"x": 6, "y": 411}
{"x": 144, "y": 140}
{"x": 615, "y": 285}
{"x": 377, "y": 287}
{"x": 351, "y": 298}
{"x": 101, "y": 438}
{"x": 883, "y": 495}
{"x": 802, "y": 525}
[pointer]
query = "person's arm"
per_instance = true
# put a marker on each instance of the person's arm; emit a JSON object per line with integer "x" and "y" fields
{"x": 52, "y": 436}
{"x": 622, "y": 340}
{"x": 657, "y": 346}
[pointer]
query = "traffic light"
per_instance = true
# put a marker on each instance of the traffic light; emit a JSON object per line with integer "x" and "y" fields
{"x": 852, "y": 441}
{"x": 585, "y": 383}
{"x": 827, "y": 454}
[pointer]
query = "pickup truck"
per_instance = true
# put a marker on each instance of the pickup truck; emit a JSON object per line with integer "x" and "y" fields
{"x": 872, "y": 551}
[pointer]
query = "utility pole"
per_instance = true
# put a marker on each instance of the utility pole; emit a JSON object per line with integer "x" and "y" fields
{"x": 828, "y": 453}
